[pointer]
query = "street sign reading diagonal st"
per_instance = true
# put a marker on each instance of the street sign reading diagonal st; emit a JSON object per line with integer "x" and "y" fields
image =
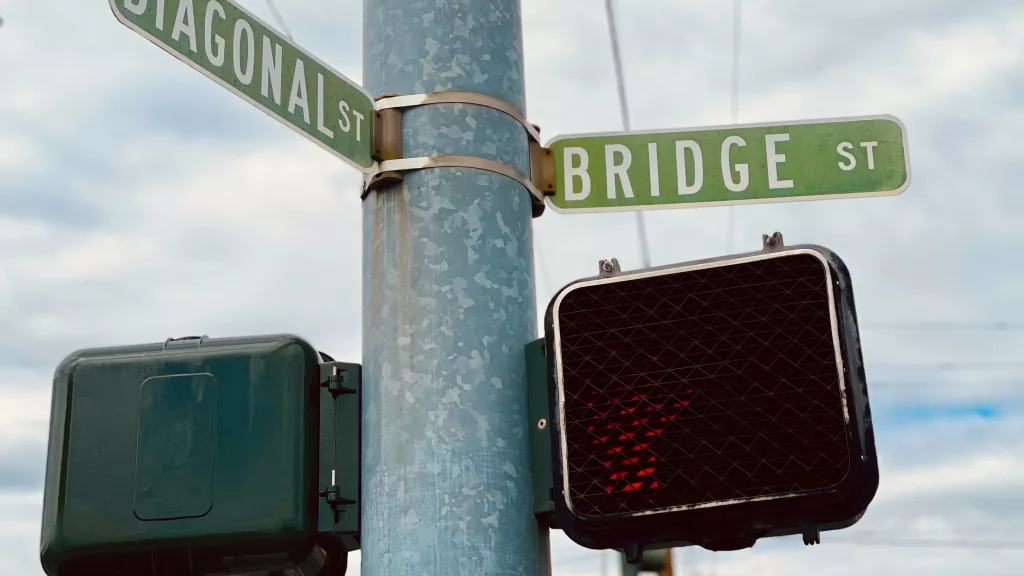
{"x": 743, "y": 164}
{"x": 243, "y": 54}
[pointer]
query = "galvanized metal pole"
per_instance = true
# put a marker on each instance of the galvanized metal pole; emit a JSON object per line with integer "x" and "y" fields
{"x": 448, "y": 303}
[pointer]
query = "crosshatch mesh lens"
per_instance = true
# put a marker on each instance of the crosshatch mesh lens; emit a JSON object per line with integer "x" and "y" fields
{"x": 701, "y": 386}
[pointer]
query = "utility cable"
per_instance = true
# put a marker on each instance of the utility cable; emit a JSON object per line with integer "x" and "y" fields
{"x": 277, "y": 18}
{"x": 948, "y": 366}
{"x": 576, "y": 559}
{"x": 878, "y": 540}
{"x": 620, "y": 82}
{"x": 943, "y": 543}
{"x": 734, "y": 109}
{"x": 997, "y": 326}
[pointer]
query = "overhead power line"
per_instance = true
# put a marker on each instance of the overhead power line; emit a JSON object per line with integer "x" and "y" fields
{"x": 734, "y": 107}
{"x": 948, "y": 366}
{"x": 996, "y": 326}
{"x": 737, "y": 30}
{"x": 1010, "y": 384}
{"x": 579, "y": 558}
{"x": 869, "y": 540}
{"x": 943, "y": 543}
{"x": 613, "y": 32}
{"x": 620, "y": 82}
{"x": 277, "y": 18}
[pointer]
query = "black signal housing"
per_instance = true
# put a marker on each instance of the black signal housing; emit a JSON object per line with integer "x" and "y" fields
{"x": 711, "y": 403}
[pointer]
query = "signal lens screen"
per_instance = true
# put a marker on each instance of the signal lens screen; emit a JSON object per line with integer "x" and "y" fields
{"x": 695, "y": 387}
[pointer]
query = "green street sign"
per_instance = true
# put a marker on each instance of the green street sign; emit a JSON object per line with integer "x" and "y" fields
{"x": 243, "y": 54}
{"x": 741, "y": 164}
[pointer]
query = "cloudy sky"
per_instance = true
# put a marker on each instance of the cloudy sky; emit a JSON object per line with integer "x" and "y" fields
{"x": 139, "y": 200}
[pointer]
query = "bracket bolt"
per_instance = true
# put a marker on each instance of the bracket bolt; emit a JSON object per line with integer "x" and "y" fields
{"x": 772, "y": 242}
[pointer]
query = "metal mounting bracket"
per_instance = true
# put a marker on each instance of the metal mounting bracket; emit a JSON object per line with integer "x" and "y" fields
{"x": 542, "y": 168}
{"x": 338, "y": 517}
{"x": 773, "y": 242}
{"x": 609, "y": 268}
{"x": 540, "y": 431}
{"x": 389, "y": 171}
{"x": 197, "y": 339}
{"x": 390, "y": 102}
{"x": 387, "y": 146}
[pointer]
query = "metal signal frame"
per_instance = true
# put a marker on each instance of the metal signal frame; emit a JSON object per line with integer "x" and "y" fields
{"x": 739, "y": 523}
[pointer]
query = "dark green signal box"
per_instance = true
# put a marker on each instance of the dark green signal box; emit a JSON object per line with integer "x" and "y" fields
{"x": 194, "y": 456}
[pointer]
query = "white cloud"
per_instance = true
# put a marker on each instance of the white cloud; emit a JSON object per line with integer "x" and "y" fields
{"x": 18, "y": 155}
{"x": 139, "y": 201}
{"x": 989, "y": 471}
{"x": 24, "y": 411}
{"x": 19, "y": 531}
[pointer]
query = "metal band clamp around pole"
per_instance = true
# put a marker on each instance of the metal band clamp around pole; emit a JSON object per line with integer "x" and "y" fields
{"x": 389, "y": 170}
{"x": 454, "y": 97}
{"x": 391, "y": 165}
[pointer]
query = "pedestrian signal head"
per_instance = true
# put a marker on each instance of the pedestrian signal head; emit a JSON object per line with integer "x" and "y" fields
{"x": 201, "y": 456}
{"x": 712, "y": 403}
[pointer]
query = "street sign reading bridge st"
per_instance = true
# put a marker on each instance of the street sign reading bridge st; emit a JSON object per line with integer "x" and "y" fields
{"x": 243, "y": 54}
{"x": 741, "y": 164}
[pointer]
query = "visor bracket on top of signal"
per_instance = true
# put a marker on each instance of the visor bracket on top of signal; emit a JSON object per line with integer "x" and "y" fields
{"x": 609, "y": 268}
{"x": 197, "y": 339}
{"x": 773, "y": 242}
{"x": 391, "y": 165}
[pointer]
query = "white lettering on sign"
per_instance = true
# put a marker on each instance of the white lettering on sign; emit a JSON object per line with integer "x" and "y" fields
{"x": 215, "y": 58}
{"x": 244, "y": 76}
{"x": 271, "y": 72}
{"x": 727, "y": 169}
{"x": 870, "y": 147}
{"x": 652, "y": 156}
{"x": 617, "y": 170}
{"x": 185, "y": 10}
{"x": 137, "y": 7}
{"x": 845, "y": 149}
{"x": 345, "y": 122}
{"x": 160, "y": 14}
{"x": 320, "y": 107}
{"x": 698, "y": 167}
{"x": 298, "y": 96}
{"x": 359, "y": 125}
{"x": 774, "y": 159}
{"x": 573, "y": 170}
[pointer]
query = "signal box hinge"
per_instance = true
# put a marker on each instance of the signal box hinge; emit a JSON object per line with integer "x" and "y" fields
{"x": 340, "y": 454}
{"x": 540, "y": 431}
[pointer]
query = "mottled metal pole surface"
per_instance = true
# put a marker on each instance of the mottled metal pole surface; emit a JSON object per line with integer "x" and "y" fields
{"x": 448, "y": 303}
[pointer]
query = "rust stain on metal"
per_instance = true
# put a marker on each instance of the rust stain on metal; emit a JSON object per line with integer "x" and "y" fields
{"x": 403, "y": 261}
{"x": 377, "y": 281}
